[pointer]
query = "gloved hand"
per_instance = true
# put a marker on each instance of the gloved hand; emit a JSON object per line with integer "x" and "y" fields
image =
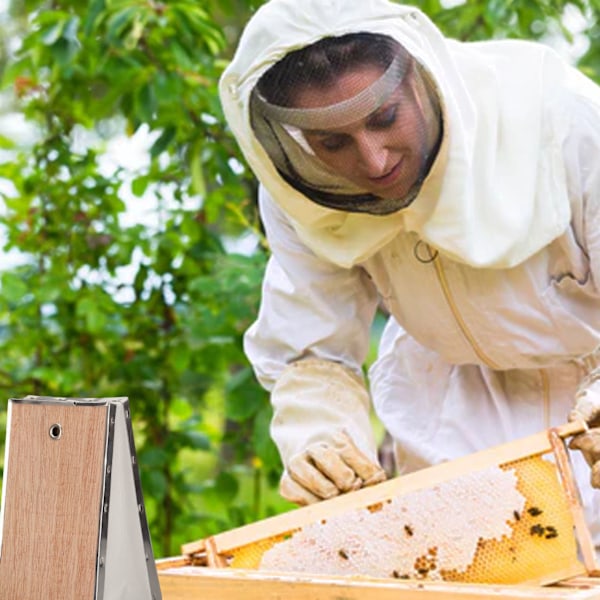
{"x": 322, "y": 429}
{"x": 587, "y": 408}
{"x": 325, "y": 470}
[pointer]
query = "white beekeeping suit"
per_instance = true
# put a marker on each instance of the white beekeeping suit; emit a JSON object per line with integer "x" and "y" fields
{"x": 491, "y": 273}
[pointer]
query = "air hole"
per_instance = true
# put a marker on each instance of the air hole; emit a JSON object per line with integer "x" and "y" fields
{"x": 55, "y": 431}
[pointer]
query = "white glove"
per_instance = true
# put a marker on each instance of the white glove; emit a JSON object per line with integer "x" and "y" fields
{"x": 587, "y": 408}
{"x": 323, "y": 471}
{"x": 322, "y": 429}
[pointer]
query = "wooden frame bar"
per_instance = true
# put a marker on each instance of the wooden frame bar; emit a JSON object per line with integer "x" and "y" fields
{"x": 586, "y": 544}
{"x": 180, "y": 581}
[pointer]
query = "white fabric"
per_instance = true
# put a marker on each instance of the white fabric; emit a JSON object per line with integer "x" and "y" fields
{"x": 323, "y": 407}
{"x": 497, "y": 193}
{"x": 440, "y": 392}
{"x": 302, "y": 418}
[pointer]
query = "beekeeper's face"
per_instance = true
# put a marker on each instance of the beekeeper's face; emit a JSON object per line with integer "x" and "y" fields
{"x": 384, "y": 153}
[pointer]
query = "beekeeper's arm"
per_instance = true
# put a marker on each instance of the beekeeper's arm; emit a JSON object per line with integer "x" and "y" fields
{"x": 582, "y": 151}
{"x": 307, "y": 347}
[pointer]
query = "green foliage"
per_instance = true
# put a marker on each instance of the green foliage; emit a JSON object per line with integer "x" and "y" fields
{"x": 497, "y": 19}
{"x": 102, "y": 305}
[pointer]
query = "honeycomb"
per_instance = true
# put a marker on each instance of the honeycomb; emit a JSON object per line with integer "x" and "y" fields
{"x": 508, "y": 523}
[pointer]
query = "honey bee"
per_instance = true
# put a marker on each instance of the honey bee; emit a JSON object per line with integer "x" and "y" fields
{"x": 534, "y": 511}
{"x": 538, "y": 530}
{"x": 409, "y": 530}
{"x": 343, "y": 554}
{"x": 398, "y": 575}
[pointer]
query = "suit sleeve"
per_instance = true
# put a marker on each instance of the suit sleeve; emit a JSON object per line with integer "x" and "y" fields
{"x": 310, "y": 340}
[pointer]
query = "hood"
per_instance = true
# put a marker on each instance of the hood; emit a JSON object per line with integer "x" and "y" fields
{"x": 497, "y": 191}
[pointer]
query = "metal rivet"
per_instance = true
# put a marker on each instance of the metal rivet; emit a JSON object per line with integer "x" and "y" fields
{"x": 55, "y": 431}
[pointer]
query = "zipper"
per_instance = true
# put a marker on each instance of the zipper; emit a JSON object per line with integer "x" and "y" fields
{"x": 439, "y": 269}
{"x": 441, "y": 275}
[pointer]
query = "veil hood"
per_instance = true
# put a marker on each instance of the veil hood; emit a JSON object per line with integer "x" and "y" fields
{"x": 497, "y": 191}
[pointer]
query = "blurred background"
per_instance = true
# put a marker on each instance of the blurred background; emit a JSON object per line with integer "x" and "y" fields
{"x": 131, "y": 252}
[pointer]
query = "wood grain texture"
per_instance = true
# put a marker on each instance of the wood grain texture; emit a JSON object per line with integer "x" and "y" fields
{"x": 194, "y": 583}
{"x": 586, "y": 543}
{"x": 52, "y": 502}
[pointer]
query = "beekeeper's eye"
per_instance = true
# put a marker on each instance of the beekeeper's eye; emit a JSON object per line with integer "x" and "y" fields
{"x": 333, "y": 142}
{"x": 383, "y": 118}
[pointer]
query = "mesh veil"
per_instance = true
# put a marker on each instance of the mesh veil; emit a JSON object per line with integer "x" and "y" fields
{"x": 396, "y": 113}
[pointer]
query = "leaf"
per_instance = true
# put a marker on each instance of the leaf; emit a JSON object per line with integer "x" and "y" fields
{"x": 146, "y": 104}
{"x": 6, "y": 143}
{"x": 197, "y": 440}
{"x": 163, "y": 142}
{"x": 13, "y": 288}
{"x": 181, "y": 409}
{"x": 262, "y": 443}
{"x": 139, "y": 185}
{"x": 154, "y": 458}
{"x": 63, "y": 51}
{"x": 95, "y": 9}
{"x": 179, "y": 357}
{"x": 198, "y": 181}
{"x": 53, "y": 33}
{"x": 243, "y": 398}
{"x": 155, "y": 484}
{"x": 182, "y": 59}
{"x": 227, "y": 487}
{"x": 70, "y": 30}
{"x": 120, "y": 22}
{"x": 91, "y": 312}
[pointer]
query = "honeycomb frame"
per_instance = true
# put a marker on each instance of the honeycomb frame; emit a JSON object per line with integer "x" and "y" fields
{"x": 540, "y": 543}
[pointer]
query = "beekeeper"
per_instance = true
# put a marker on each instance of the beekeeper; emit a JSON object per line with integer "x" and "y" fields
{"x": 459, "y": 184}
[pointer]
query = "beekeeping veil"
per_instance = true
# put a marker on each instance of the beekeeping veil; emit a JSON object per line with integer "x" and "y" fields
{"x": 496, "y": 192}
{"x": 401, "y": 89}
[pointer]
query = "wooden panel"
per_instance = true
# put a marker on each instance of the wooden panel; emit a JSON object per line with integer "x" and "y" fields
{"x": 52, "y": 498}
{"x": 586, "y": 543}
{"x": 199, "y": 583}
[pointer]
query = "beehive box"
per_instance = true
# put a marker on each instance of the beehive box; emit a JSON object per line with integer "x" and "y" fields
{"x": 508, "y": 517}
{"x": 179, "y": 581}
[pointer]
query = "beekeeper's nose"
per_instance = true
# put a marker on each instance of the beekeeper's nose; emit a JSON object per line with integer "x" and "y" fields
{"x": 371, "y": 154}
